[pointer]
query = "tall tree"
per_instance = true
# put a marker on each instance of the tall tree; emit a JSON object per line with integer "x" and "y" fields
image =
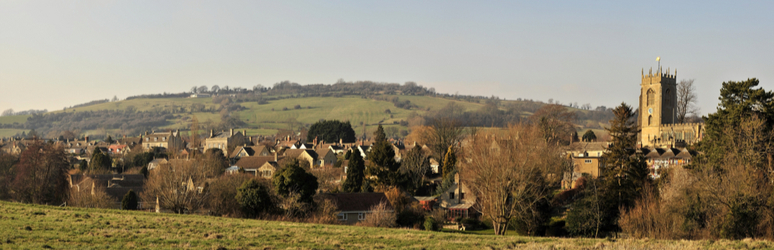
{"x": 254, "y": 197}
{"x": 442, "y": 133}
{"x": 738, "y": 101}
{"x": 382, "y": 157}
{"x": 589, "y": 136}
{"x": 556, "y": 121}
{"x": 331, "y": 131}
{"x": 415, "y": 164}
{"x": 100, "y": 163}
{"x": 449, "y": 162}
{"x": 293, "y": 179}
{"x": 355, "y": 174}
{"x": 41, "y": 175}
{"x": 179, "y": 186}
{"x": 625, "y": 172}
{"x": 686, "y": 100}
{"x": 509, "y": 178}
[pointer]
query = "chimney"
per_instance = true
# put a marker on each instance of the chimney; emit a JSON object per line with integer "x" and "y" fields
{"x": 146, "y": 132}
{"x": 232, "y": 132}
{"x": 87, "y": 139}
{"x": 212, "y": 133}
{"x": 244, "y": 132}
{"x": 275, "y": 156}
{"x": 341, "y": 141}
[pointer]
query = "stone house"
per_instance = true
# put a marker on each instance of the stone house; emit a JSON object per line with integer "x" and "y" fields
{"x": 356, "y": 207}
{"x": 166, "y": 140}
{"x": 458, "y": 200}
{"x": 224, "y": 139}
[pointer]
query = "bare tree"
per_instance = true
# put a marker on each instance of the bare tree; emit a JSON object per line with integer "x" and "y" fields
{"x": 178, "y": 185}
{"x": 202, "y": 89}
{"x": 215, "y": 88}
{"x": 510, "y": 176}
{"x": 414, "y": 165}
{"x": 7, "y": 112}
{"x": 556, "y": 121}
{"x": 686, "y": 100}
{"x": 41, "y": 175}
{"x": 443, "y": 133}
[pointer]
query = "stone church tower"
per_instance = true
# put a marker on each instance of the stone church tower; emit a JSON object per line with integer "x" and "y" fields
{"x": 658, "y": 112}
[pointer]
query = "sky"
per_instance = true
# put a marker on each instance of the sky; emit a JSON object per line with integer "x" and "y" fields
{"x": 55, "y": 54}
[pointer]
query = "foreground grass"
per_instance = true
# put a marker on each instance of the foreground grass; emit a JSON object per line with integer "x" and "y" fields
{"x": 34, "y": 226}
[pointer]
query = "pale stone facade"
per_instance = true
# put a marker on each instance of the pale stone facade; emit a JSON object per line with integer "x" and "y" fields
{"x": 658, "y": 113}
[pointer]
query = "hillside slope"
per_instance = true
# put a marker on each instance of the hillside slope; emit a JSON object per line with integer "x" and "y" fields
{"x": 36, "y": 226}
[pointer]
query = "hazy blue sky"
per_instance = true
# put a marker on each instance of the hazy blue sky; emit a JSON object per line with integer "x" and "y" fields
{"x": 60, "y": 53}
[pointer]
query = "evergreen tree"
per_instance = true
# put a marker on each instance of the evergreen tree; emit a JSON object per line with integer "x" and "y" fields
{"x": 129, "y": 202}
{"x": 355, "y": 174}
{"x": 294, "y": 179}
{"x": 100, "y": 161}
{"x": 589, "y": 136}
{"x": 738, "y": 101}
{"x": 254, "y": 198}
{"x": 449, "y": 162}
{"x": 382, "y": 158}
{"x": 331, "y": 131}
{"x": 625, "y": 171}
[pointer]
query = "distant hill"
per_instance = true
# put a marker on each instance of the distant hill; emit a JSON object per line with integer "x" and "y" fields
{"x": 285, "y": 106}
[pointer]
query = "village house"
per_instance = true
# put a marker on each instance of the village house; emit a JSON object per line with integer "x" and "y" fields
{"x": 356, "y": 207}
{"x": 263, "y": 166}
{"x": 166, "y": 140}
{"x": 223, "y": 139}
{"x": 458, "y": 200}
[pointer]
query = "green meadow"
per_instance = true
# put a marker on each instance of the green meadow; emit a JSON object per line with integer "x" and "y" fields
{"x": 24, "y": 226}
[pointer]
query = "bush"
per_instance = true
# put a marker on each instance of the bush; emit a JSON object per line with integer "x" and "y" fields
{"x": 130, "y": 201}
{"x": 472, "y": 224}
{"x": 254, "y": 198}
{"x": 380, "y": 216}
{"x": 430, "y": 224}
{"x": 556, "y": 227}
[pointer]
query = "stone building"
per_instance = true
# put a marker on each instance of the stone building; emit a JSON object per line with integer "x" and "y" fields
{"x": 222, "y": 140}
{"x": 658, "y": 113}
{"x": 170, "y": 140}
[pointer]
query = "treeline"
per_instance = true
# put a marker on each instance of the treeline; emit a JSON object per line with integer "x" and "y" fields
{"x": 10, "y": 112}
{"x": 89, "y": 103}
{"x": 162, "y": 95}
{"x": 129, "y": 122}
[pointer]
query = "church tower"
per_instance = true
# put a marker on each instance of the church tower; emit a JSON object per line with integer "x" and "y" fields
{"x": 658, "y": 103}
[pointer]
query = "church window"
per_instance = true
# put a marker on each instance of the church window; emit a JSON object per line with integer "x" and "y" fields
{"x": 650, "y": 119}
{"x": 651, "y": 97}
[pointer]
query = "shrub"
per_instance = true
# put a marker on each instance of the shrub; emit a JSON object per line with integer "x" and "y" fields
{"x": 130, "y": 201}
{"x": 472, "y": 224}
{"x": 430, "y": 224}
{"x": 254, "y": 198}
{"x": 380, "y": 216}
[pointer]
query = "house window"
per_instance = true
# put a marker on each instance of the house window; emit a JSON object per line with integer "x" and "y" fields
{"x": 155, "y": 139}
{"x": 146, "y": 138}
{"x": 164, "y": 138}
{"x": 587, "y": 161}
{"x": 451, "y": 195}
{"x": 342, "y": 216}
{"x": 462, "y": 196}
{"x": 360, "y": 216}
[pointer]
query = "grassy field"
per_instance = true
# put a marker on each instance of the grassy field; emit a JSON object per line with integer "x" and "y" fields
{"x": 13, "y": 118}
{"x": 34, "y": 226}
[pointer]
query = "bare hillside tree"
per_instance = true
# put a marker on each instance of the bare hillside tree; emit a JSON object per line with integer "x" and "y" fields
{"x": 510, "y": 175}
{"x": 686, "y": 100}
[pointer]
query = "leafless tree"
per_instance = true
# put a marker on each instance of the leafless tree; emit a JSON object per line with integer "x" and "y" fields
{"x": 179, "y": 185}
{"x": 556, "y": 121}
{"x": 86, "y": 194}
{"x": 415, "y": 164}
{"x": 443, "y": 132}
{"x": 686, "y": 100}
{"x": 510, "y": 175}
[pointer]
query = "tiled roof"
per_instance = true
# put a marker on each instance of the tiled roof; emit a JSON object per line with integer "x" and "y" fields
{"x": 357, "y": 201}
{"x": 253, "y": 162}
